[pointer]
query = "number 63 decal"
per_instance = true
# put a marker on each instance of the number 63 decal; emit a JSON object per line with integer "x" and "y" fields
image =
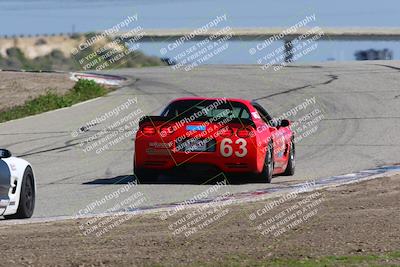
{"x": 227, "y": 150}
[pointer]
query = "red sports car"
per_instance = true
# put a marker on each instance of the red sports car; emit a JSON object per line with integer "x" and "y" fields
{"x": 233, "y": 136}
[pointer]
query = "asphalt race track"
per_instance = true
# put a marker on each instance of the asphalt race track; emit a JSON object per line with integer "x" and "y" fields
{"x": 359, "y": 103}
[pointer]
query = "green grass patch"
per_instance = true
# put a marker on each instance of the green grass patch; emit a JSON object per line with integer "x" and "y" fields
{"x": 82, "y": 91}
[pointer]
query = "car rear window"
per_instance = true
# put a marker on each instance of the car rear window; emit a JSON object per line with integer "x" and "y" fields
{"x": 207, "y": 109}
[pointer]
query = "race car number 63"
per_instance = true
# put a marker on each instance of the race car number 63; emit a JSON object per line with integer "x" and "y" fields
{"x": 227, "y": 150}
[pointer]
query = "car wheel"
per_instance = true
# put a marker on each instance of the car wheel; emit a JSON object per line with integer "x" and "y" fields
{"x": 291, "y": 161}
{"x": 268, "y": 169}
{"x": 27, "y": 197}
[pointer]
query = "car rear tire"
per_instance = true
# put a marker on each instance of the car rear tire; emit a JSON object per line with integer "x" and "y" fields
{"x": 268, "y": 169}
{"x": 291, "y": 161}
{"x": 27, "y": 197}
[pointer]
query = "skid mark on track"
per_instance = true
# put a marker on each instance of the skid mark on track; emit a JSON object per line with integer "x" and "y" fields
{"x": 29, "y": 141}
{"x": 362, "y": 118}
{"x": 331, "y": 76}
{"x": 67, "y": 145}
{"x": 388, "y": 66}
{"x": 347, "y": 145}
{"x": 168, "y": 87}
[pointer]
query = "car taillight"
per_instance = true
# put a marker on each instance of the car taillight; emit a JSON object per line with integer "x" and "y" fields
{"x": 244, "y": 132}
{"x": 166, "y": 130}
{"x": 225, "y": 132}
{"x": 149, "y": 130}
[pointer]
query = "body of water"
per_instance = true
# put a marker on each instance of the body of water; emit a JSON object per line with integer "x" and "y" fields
{"x": 61, "y": 16}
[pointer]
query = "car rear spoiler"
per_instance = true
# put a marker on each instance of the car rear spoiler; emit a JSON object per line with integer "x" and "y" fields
{"x": 144, "y": 119}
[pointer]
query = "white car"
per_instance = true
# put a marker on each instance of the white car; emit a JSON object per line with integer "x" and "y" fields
{"x": 17, "y": 187}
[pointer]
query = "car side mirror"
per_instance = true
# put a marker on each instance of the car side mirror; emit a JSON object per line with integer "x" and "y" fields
{"x": 4, "y": 153}
{"x": 284, "y": 123}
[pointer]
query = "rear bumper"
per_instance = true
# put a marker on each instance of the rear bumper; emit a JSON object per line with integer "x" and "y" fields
{"x": 178, "y": 159}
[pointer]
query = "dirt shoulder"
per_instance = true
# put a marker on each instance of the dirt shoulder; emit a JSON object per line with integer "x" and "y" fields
{"x": 356, "y": 224}
{"x": 18, "y": 87}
